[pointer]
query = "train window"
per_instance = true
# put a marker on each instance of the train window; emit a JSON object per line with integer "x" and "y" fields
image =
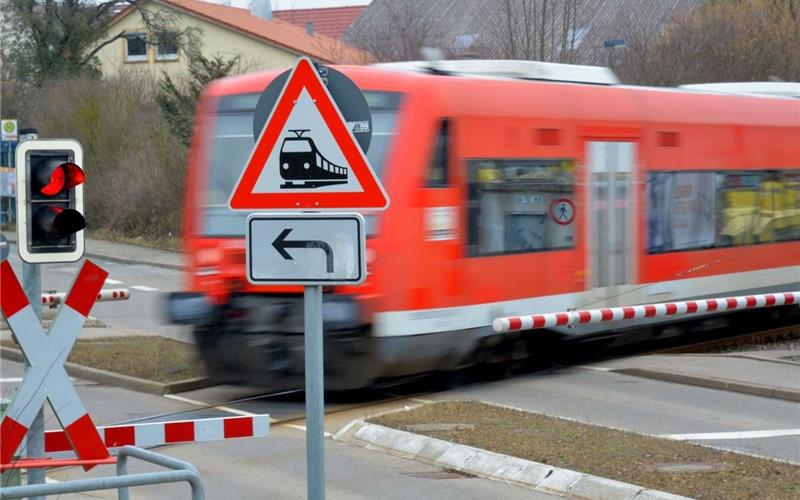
{"x": 694, "y": 210}
{"x": 438, "y": 171}
{"x": 681, "y": 210}
{"x": 520, "y": 205}
{"x": 232, "y": 141}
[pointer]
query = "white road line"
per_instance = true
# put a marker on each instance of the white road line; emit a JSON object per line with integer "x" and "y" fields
{"x": 143, "y": 288}
{"x": 303, "y": 428}
{"x": 10, "y": 380}
{"x": 595, "y": 368}
{"x": 50, "y": 480}
{"x": 110, "y": 281}
{"x": 707, "y": 436}
{"x": 200, "y": 403}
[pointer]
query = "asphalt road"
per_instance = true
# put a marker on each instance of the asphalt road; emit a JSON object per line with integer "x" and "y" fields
{"x": 271, "y": 467}
{"x": 141, "y": 314}
{"x": 274, "y": 466}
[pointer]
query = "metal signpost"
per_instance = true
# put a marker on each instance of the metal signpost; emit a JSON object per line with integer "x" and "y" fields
{"x": 307, "y": 159}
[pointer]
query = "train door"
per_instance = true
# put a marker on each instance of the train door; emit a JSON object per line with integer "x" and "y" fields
{"x": 440, "y": 211}
{"x": 610, "y": 225}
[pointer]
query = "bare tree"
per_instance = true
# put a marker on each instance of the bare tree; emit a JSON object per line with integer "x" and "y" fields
{"x": 734, "y": 40}
{"x": 62, "y": 37}
{"x": 544, "y": 30}
{"x": 404, "y": 30}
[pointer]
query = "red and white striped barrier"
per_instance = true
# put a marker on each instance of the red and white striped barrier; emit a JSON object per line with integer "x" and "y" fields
{"x": 549, "y": 320}
{"x": 161, "y": 433}
{"x": 53, "y": 299}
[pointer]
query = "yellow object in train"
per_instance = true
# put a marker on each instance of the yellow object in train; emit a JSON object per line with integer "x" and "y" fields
{"x": 754, "y": 216}
{"x": 488, "y": 174}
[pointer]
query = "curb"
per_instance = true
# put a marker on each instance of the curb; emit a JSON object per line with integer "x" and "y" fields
{"x": 126, "y": 260}
{"x": 714, "y": 383}
{"x": 117, "y": 379}
{"x": 490, "y": 465}
{"x": 114, "y": 258}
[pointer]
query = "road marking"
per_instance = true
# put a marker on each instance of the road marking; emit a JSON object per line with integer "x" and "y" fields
{"x": 303, "y": 428}
{"x": 50, "y": 480}
{"x": 595, "y": 368}
{"x": 11, "y": 380}
{"x": 143, "y": 288}
{"x": 109, "y": 281}
{"x": 220, "y": 407}
{"x": 703, "y": 436}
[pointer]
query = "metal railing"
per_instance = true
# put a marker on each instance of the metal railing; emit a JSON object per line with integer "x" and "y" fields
{"x": 180, "y": 472}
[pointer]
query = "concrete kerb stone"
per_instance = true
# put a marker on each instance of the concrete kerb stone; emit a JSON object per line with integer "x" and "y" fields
{"x": 713, "y": 383}
{"x": 117, "y": 379}
{"x": 89, "y": 252}
{"x": 490, "y": 465}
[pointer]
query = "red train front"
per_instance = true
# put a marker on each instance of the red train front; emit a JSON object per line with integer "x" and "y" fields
{"x": 508, "y": 196}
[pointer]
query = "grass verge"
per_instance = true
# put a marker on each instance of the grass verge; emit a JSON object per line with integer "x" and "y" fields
{"x": 662, "y": 464}
{"x": 149, "y": 357}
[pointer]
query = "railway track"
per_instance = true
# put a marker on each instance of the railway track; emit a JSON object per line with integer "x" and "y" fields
{"x": 784, "y": 333}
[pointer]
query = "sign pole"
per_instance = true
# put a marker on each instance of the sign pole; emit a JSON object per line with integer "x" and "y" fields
{"x": 315, "y": 393}
{"x": 32, "y": 284}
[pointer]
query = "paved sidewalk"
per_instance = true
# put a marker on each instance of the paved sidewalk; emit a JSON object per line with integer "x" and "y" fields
{"x": 123, "y": 252}
{"x": 773, "y": 374}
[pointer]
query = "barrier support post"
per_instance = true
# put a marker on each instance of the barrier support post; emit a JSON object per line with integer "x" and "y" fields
{"x": 32, "y": 284}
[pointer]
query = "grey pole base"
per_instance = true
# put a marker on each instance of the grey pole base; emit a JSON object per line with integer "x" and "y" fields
{"x": 315, "y": 393}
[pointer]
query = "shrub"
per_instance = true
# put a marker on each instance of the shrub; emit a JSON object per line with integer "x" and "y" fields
{"x": 134, "y": 163}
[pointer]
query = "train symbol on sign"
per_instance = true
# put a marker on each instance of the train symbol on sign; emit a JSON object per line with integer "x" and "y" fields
{"x": 302, "y": 165}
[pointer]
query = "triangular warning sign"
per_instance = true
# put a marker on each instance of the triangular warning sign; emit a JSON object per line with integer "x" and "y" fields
{"x": 306, "y": 158}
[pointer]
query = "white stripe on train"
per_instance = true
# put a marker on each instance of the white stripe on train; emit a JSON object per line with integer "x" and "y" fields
{"x": 418, "y": 322}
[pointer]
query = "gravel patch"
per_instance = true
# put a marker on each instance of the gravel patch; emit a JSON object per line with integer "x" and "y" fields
{"x": 149, "y": 357}
{"x": 661, "y": 464}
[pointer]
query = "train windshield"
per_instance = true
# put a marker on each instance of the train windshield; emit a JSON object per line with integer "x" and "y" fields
{"x": 232, "y": 142}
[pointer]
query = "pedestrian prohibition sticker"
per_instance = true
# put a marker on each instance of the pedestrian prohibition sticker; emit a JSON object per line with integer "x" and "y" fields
{"x": 562, "y": 211}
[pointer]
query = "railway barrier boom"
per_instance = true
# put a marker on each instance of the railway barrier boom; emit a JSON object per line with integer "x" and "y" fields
{"x": 567, "y": 318}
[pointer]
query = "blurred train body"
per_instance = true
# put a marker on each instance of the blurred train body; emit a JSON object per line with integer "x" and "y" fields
{"x": 507, "y": 197}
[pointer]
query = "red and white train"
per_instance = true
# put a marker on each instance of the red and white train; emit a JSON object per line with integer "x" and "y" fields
{"x": 511, "y": 193}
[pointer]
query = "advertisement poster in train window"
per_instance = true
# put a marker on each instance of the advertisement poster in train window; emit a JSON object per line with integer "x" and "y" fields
{"x": 681, "y": 210}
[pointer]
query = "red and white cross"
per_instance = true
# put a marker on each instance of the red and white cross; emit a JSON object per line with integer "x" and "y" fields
{"x": 46, "y": 353}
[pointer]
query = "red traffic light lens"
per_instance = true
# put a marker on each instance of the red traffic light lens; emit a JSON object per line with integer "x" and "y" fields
{"x": 56, "y": 182}
{"x": 75, "y": 175}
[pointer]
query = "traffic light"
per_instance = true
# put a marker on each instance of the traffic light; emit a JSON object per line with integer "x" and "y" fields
{"x": 50, "y": 200}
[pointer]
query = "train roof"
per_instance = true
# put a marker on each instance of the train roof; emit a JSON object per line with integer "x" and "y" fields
{"x": 587, "y": 96}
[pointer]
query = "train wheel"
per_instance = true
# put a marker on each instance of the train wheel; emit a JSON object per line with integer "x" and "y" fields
{"x": 495, "y": 358}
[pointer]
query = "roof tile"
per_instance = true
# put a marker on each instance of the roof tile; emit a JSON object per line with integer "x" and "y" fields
{"x": 274, "y": 31}
{"x": 330, "y": 21}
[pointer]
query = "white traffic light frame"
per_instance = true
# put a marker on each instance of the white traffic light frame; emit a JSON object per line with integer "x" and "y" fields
{"x": 23, "y": 167}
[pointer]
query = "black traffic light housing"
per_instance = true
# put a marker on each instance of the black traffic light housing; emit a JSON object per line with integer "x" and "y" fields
{"x": 50, "y": 218}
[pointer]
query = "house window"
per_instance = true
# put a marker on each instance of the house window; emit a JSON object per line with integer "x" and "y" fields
{"x": 520, "y": 206}
{"x": 167, "y": 47}
{"x": 136, "y": 47}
